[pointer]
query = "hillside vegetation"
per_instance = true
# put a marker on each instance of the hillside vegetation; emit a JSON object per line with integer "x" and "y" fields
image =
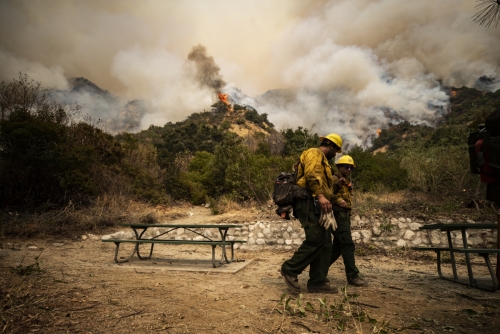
{"x": 51, "y": 162}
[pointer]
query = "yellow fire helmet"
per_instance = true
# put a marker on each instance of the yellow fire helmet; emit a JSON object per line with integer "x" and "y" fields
{"x": 335, "y": 138}
{"x": 346, "y": 160}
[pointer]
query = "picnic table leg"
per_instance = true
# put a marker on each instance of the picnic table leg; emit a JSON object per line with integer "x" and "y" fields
{"x": 128, "y": 258}
{"x": 139, "y": 237}
{"x": 439, "y": 264}
{"x": 223, "y": 233}
{"x": 490, "y": 269}
{"x": 467, "y": 260}
{"x": 213, "y": 257}
{"x": 452, "y": 256}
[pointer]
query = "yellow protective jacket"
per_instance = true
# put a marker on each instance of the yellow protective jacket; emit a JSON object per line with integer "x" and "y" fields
{"x": 314, "y": 173}
{"x": 342, "y": 192}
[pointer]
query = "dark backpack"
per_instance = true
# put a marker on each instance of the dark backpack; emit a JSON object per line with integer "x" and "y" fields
{"x": 286, "y": 191}
{"x": 283, "y": 193}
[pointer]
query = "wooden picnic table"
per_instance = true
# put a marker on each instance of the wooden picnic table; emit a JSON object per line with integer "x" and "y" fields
{"x": 140, "y": 230}
{"x": 483, "y": 252}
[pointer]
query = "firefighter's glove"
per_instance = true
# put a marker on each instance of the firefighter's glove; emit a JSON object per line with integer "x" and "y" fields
{"x": 327, "y": 220}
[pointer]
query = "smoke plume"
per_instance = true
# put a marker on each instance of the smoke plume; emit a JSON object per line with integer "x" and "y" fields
{"x": 345, "y": 66}
{"x": 207, "y": 71}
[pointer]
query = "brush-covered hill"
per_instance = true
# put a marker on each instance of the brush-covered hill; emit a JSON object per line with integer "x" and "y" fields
{"x": 468, "y": 108}
{"x": 114, "y": 114}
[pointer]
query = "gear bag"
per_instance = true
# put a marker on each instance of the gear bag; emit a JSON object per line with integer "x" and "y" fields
{"x": 286, "y": 191}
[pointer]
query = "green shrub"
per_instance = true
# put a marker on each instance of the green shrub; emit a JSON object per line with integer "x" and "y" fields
{"x": 377, "y": 171}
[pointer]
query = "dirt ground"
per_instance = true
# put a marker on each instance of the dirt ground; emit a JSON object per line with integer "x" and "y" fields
{"x": 73, "y": 286}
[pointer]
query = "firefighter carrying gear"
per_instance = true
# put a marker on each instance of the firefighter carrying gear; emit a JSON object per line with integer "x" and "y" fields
{"x": 315, "y": 176}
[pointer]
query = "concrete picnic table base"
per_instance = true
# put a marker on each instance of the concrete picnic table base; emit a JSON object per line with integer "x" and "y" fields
{"x": 155, "y": 265}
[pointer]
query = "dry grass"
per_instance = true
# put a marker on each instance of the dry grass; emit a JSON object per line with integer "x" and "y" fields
{"x": 106, "y": 211}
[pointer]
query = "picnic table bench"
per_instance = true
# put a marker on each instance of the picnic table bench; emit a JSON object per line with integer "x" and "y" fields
{"x": 140, "y": 230}
{"x": 483, "y": 252}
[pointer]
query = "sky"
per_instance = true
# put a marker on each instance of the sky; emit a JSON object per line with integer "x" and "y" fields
{"x": 354, "y": 65}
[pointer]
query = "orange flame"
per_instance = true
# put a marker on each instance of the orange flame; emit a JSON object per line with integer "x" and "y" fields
{"x": 223, "y": 98}
{"x": 378, "y": 132}
{"x": 453, "y": 93}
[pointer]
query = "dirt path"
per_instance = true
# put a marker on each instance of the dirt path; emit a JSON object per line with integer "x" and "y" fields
{"x": 81, "y": 290}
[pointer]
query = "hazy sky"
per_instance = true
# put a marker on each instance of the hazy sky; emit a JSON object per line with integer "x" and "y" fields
{"x": 352, "y": 62}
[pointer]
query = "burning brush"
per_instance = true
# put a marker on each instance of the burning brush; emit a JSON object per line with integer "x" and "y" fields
{"x": 224, "y": 99}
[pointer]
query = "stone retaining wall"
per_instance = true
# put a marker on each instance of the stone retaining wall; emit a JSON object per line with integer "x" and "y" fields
{"x": 383, "y": 233}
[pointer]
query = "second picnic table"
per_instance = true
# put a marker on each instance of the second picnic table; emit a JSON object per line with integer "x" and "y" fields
{"x": 484, "y": 252}
{"x": 140, "y": 231}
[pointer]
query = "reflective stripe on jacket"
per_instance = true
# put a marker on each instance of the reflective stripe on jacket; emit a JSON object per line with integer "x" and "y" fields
{"x": 314, "y": 173}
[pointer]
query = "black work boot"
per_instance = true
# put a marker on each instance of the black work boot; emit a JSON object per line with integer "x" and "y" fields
{"x": 357, "y": 281}
{"x": 325, "y": 288}
{"x": 291, "y": 282}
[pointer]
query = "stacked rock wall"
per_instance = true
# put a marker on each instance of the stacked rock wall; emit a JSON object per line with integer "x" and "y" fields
{"x": 386, "y": 233}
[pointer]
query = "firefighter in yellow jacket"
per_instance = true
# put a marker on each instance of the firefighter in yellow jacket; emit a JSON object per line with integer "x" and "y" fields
{"x": 341, "y": 203}
{"x": 315, "y": 186}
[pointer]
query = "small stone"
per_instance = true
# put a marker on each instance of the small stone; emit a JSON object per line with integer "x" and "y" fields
{"x": 401, "y": 243}
{"x": 260, "y": 241}
{"x": 84, "y": 237}
{"x": 288, "y": 241}
{"x": 356, "y": 235}
{"x": 417, "y": 241}
{"x": 32, "y": 248}
{"x": 408, "y": 235}
{"x": 58, "y": 244}
{"x": 415, "y": 226}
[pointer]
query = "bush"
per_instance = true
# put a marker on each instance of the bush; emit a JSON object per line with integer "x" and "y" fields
{"x": 44, "y": 160}
{"x": 379, "y": 171}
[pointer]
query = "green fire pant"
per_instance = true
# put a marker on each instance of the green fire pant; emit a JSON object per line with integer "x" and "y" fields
{"x": 316, "y": 249}
{"x": 343, "y": 244}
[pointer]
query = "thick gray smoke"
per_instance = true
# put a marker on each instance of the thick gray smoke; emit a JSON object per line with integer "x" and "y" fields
{"x": 207, "y": 71}
{"x": 345, "y": 66}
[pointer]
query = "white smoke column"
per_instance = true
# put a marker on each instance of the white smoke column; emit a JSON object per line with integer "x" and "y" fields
{"x": 166, "y": 82}
{"x": 353, "y": 65}
{"x": 49, "y": 76}
{"x": 359, "y": 65}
